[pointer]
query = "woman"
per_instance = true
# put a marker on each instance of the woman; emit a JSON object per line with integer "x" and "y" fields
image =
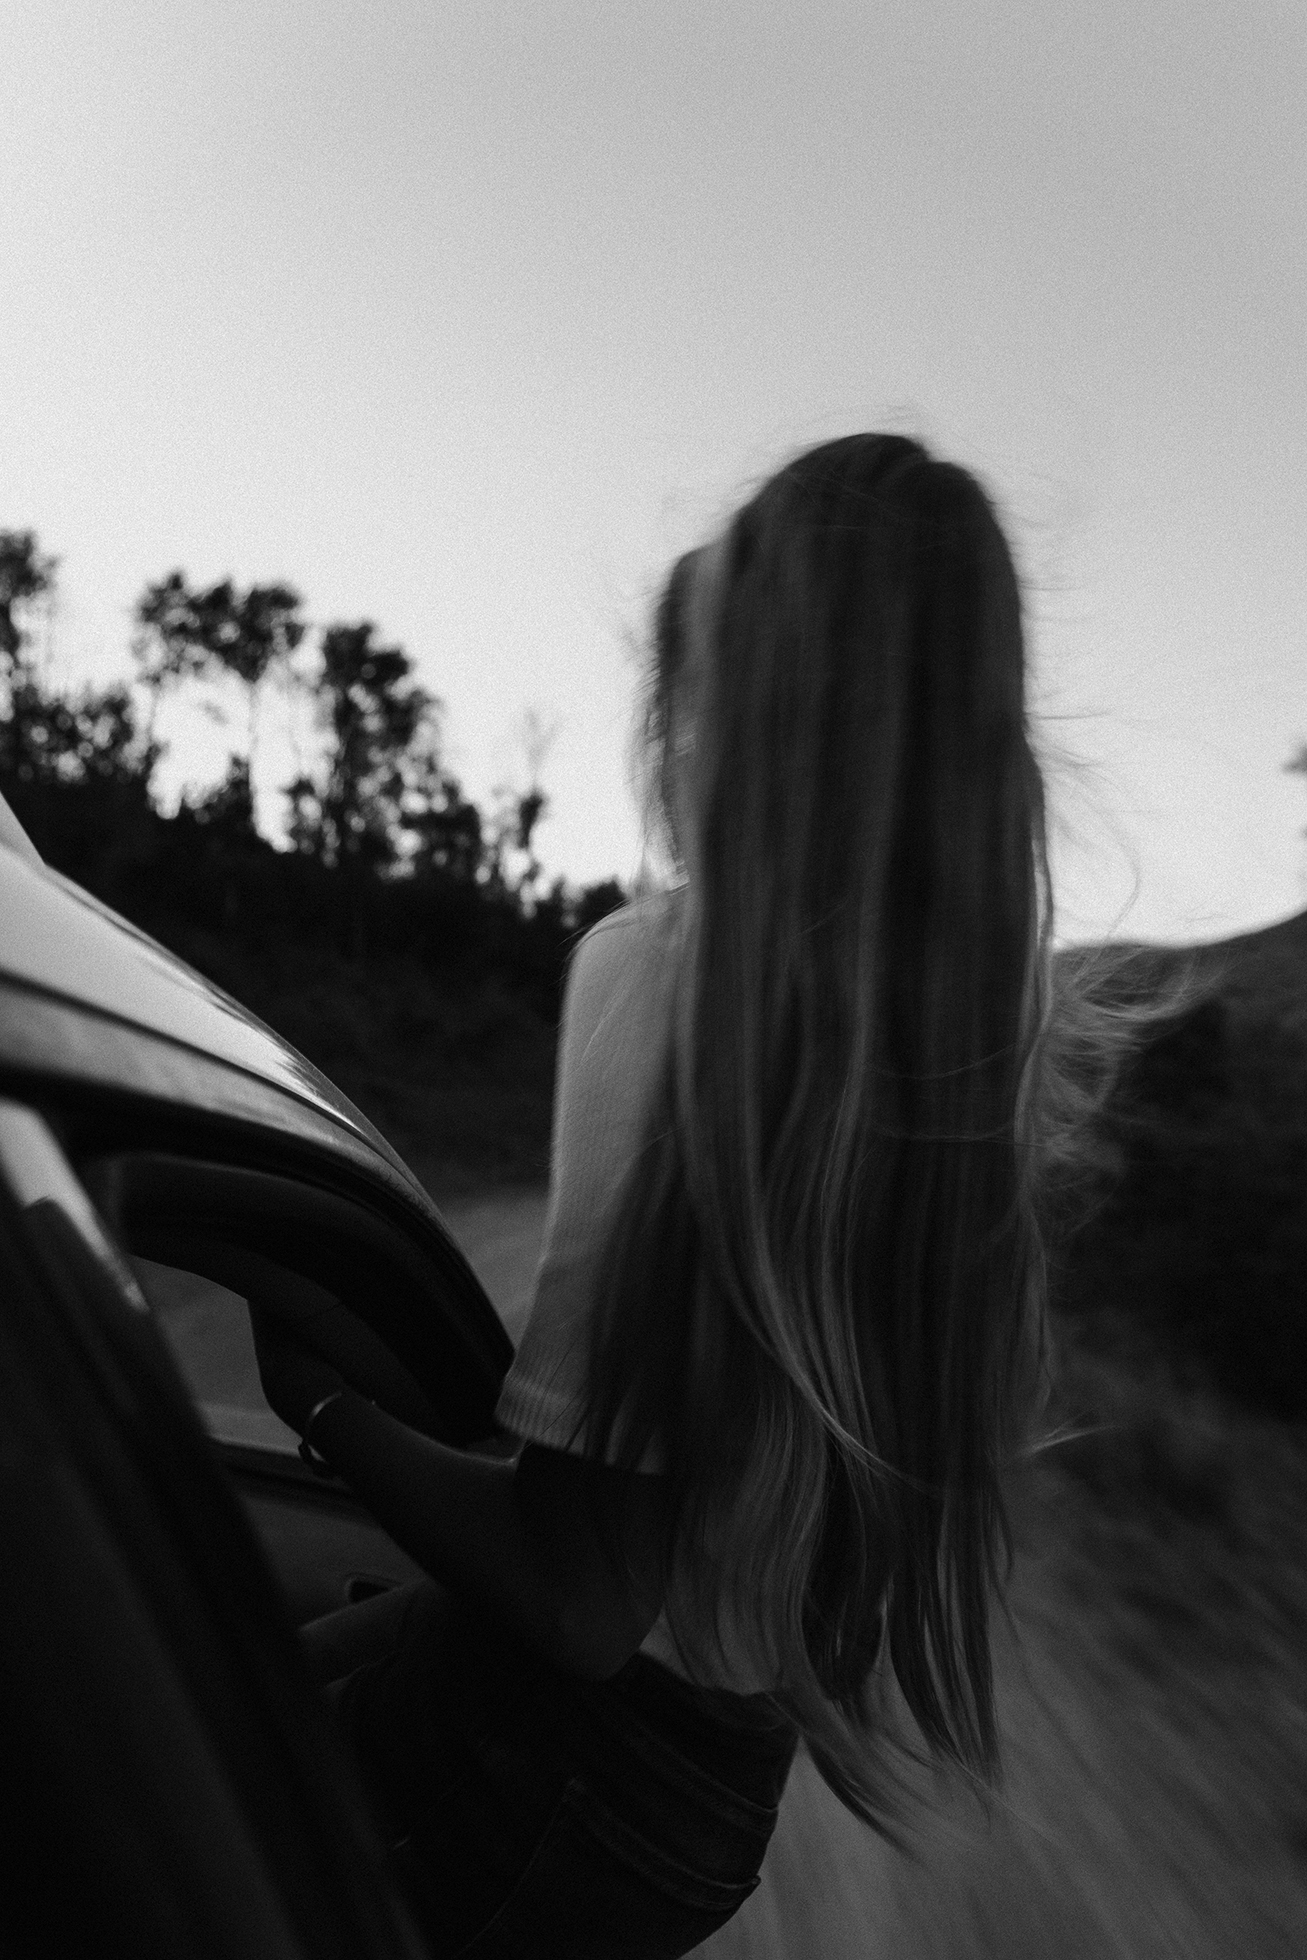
{"x": 788, "y": 1323}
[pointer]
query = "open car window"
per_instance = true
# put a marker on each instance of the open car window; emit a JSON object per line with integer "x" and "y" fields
{"x": 393, "y": 1305}
{"x": 216, "y": 1229}
{"x": 385, "y": 1297}
{"x": 207, "y": 1328}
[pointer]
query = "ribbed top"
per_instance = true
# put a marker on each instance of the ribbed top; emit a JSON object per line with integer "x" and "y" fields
{"x": 611, "y": 1043}
{"x": 611, "y": 1047}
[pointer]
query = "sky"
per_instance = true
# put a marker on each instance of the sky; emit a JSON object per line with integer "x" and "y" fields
{"x": 467, "y": 318}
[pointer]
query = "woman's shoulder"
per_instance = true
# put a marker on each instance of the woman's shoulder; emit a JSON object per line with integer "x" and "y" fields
{"x": 617, "y": 967}
{"x": 635, "y": 931}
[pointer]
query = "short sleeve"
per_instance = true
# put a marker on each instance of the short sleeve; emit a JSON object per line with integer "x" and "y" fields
{"x": 611, "y": 1044}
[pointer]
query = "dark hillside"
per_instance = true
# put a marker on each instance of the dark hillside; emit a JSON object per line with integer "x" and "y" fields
{"x": 1199, "y": 1249}
{"x": 432, "y": 1000}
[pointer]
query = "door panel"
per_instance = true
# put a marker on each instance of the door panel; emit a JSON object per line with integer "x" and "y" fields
{"x": 325, "y": 1548}
{"x": 176, "y": 1769}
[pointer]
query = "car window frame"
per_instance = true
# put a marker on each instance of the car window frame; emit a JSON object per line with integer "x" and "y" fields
{"x": 417, "y": 1294}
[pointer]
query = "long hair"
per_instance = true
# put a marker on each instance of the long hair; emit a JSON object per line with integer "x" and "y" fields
{"x": 822, "y": 1291}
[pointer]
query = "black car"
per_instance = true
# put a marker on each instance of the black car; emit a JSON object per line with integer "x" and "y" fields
{"x": 175, "y": 1784}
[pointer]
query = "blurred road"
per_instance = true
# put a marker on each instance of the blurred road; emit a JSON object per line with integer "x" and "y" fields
{"x": 501, "y": 1235}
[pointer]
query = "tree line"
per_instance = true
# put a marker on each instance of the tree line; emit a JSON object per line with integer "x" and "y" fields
{"x": 383, "y": 852}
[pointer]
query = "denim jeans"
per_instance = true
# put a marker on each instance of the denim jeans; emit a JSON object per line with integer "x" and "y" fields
{"x": 531, "y": 1814}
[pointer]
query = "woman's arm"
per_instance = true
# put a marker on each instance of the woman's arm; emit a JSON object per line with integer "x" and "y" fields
{"x": 568, "y": 1551}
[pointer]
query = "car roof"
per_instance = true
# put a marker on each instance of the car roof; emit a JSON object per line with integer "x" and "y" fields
{"x": 71, "y": 965}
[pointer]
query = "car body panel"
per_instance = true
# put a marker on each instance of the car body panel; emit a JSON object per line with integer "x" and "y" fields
{"x": 58, "y": 942}
{"x": 62, "y": 1041}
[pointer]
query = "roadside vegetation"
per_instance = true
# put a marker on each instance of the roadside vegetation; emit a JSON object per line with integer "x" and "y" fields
{"x": 398, "y": 934}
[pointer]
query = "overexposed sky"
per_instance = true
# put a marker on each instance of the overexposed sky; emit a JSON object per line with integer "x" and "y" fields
{"x": 465, "y": 318}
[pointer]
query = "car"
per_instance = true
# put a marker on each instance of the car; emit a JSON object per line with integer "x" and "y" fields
{"x": 164, "y": 1157}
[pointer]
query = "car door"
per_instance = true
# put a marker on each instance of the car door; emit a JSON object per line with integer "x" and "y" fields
{"x": 226, "y": 1165}
{"x": 174, "y": 1783}
{"x": 178, "y": 1774}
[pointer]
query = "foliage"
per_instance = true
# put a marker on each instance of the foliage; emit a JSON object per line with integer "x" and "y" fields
{"x": 74, "y": 763}
{"x": 402, "y": 944}
{"x": 381, "y": 735}
{"x": 445, "y": 833}
{"x": 26, "y": 575}
{"x": 378, "y": 800}
{"x": 185, "y": 633}
{"x": 87, "y": 737}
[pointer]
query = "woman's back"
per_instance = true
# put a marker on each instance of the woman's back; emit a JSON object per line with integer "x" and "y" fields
{"x": 611, "y": 1056}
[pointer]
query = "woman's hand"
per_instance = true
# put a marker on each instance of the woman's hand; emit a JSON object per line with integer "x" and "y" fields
{"x": 294, "y": 1378}
{"x": 569, "y": 1552}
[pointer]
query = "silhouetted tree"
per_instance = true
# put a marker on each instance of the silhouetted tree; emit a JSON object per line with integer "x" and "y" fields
{"x": 511, "y": 863}
{"x": 89, "y": 736}
{"x": 167, "y": 645}
{"x": 53, "y": 735}
{"x": 408, "y": 874}
{"x": 443, "y": 832}
{"x": 74, "y": 764}
{"x": 372, "y": 712}
{"x": 26, "y": 574}
{"x": 226, "y": 812}
{"x": 183, "y": 633}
